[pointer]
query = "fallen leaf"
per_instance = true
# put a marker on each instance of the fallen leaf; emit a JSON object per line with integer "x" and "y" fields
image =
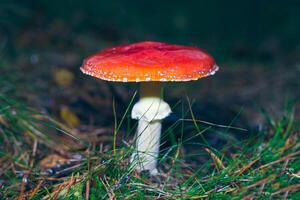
{"x": 69, "y": 117}
{"x": 3, "y": 121}
{"x": 52, "y": 160}
{"x": 63, "y": 77}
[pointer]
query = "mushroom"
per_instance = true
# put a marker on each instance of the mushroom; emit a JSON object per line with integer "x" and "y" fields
{"x": 149, "y": 63}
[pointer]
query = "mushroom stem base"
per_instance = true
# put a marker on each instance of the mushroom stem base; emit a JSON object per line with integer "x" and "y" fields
{"x": 147, "y": 146}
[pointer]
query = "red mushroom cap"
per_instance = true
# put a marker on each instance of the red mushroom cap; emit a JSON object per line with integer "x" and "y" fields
{"x": 150, "y": 61}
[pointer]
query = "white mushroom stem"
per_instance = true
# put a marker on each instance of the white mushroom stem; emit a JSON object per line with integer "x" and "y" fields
{"x": 149, "y": 110}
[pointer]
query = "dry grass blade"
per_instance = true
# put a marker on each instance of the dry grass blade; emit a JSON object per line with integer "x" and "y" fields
{"x": 218, "y": 162}
{"x": 62, "y": 188}
{"x": 182, "y": 196}
{"x": 110, "y": 193}
{"x": 63, "y": 128}
{"x": 263, "y": 181}
{"x": 214, "y": 124}
{"x": 287, "y": 189}
{"x": 194, "y": 120}
{"x": 248, "y": 197}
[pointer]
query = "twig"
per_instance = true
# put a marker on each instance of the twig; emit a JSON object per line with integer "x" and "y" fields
{"x": 285, "y": 165}
{"x": 248, "y": 197}
{"x": 263, "y": 181}
{"x": 246, "y": 167}
{"x": 286, "y": 195}
{"x": 23, "y": 188}
{"x": 261, "y": 188}
{"x": 280, "y": 159}
{"x": 34, "y": 149}
{"x": 287, "y": 189}
{"x": 87, "y": 190}
{"x": 36, "y": 189}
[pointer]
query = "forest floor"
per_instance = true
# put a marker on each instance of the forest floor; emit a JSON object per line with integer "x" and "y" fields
{"x": 57, "y": 128}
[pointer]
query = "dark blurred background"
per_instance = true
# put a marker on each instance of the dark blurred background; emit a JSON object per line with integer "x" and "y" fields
{"x": 257, "y": 29}
{"x": 255, "y": 43}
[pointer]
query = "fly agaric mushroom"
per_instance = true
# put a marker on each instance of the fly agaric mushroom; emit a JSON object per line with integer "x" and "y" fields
{"x": 149, "y": 63}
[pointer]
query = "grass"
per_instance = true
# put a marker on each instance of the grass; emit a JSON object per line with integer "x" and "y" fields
{"x": 262, "y": 167}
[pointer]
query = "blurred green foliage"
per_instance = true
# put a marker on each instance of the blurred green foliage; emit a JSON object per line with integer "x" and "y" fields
{"x": 220, "y": 26}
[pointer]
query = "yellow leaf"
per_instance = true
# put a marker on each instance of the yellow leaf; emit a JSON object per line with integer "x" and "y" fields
{"x": 69, "y": 117}
{"x": 63, "y": 77}
{"x": 3, "y": 121}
